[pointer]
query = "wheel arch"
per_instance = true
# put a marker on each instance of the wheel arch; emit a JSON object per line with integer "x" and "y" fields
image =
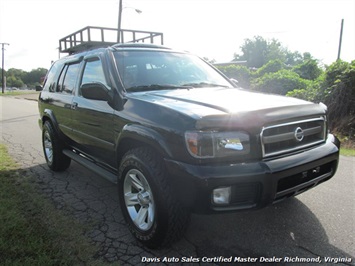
{"x": 48, "y": 115}
{"x": 134, "y": 136}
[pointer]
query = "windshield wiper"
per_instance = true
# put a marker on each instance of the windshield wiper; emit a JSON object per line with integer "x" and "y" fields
{"x": 157, "y": 87}
{"x": 205, "y": 84}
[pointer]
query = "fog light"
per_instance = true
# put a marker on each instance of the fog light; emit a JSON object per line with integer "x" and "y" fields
{"x": 222, "y": 195}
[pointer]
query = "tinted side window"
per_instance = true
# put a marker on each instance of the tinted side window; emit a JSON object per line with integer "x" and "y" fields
{"x": 61, "y": 79}
{"x": 94, "y": 73}
{"x": 68, "y": 79}
{"x": 50, "y": 81}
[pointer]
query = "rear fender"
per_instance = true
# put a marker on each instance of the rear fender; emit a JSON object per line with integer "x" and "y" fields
{"x": 48, "y": 115}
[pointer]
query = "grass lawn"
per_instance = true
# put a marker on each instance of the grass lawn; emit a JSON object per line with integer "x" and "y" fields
{"x": 347, "y": 147}
{"x": 18, "y": 92}
{"x": 347, "y": 152}
{"x": 32, "y": 231}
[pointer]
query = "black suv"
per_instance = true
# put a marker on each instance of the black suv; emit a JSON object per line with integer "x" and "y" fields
{"x": 179, "y": 137}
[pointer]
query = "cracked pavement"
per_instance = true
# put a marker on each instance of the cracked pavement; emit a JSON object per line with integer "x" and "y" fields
{"x": 317, "y": 223}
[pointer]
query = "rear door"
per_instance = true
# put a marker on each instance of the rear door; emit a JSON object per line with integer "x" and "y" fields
{"x": 60, "y": 95}
{"x": 92, "y": 120}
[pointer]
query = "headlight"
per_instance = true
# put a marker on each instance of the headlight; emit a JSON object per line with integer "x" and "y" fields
{"x": 211, "y": 144}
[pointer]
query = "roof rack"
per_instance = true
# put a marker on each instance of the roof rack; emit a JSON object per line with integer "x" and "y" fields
{"x": 96, "y": 37}
{"x": 139, "y": 45}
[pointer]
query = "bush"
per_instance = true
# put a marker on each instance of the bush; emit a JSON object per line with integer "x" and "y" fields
{"x": 280, "y": 82}
{"x": 313, "y": 91}
{"x": 339, "y": 95}
{"x": 240, "y": 73}
{"x": 271, "y": 67}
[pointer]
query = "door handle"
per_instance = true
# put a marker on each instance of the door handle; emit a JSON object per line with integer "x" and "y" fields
{"x": 74, "y": 105}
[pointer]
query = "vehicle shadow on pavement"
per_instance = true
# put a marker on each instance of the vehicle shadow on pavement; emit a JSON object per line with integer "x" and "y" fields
{"x": 287, "y": 229}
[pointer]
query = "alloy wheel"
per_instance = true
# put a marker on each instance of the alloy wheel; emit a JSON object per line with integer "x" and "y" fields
{"x": 139, "y": 199}
{"x": 48, "y": 146}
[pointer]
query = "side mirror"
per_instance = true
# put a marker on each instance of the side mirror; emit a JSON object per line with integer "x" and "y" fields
{"x": 39, "y": 88}
{"x": 95, "y": 91}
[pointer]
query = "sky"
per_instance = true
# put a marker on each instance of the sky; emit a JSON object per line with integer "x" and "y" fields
{"x": 209, "y": 28}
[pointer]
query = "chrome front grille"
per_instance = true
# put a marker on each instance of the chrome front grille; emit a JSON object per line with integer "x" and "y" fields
{"x": 292, "y": 136}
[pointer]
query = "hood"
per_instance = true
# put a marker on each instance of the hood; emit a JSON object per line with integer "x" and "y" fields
{"x": 210, "y": 105}
{"x": 228, "y": 100}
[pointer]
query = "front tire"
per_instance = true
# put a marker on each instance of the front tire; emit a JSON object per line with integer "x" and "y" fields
{"x": 53, "y": 149}
{"x": 147, "y": 201}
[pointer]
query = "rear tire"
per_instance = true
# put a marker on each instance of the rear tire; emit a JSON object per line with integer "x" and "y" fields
{"x": 53, "y": 149}
{"x": 147, "y": 201}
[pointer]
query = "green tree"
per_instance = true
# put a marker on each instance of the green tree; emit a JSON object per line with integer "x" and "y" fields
{"x": 275, "y": 51}
{"x": 12, "y": 81}
{"x": 17, "y": 73}
{"x": 293, "y": 58}
{"x": 14, "y": 78}
{"x": 259, "y": 51}
{"x": 309, "y": 69}
{"x": 35, "y": 76}
{"x": 19, "y": 78}
{"x": 254, "y": 52}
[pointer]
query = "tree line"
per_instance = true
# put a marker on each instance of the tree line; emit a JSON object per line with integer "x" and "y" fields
{"x": 22, "y": 79}
{"x": 269, "y": 67}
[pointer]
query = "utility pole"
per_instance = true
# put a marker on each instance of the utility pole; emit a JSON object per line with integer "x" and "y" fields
{"x": 119, "y": 22}
{"x": 2, "y": 67}
{"x": 341, "y": 38}
{"x": 119, "y": 29}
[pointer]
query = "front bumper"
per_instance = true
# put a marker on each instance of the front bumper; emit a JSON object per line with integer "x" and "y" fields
{"x": 254, "y": 184}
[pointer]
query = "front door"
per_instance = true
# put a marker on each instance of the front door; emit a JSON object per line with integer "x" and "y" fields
{"x": 92, "y": 120}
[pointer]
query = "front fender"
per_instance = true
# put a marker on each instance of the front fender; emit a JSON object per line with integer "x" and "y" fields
{"x": 140, "y": 135}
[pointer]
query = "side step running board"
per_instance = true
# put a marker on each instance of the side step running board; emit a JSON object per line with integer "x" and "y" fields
{"x": 91, "y": 166}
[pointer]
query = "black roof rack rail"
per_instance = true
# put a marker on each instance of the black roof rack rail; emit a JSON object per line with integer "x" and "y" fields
{"x": 139, "y": 45}
{"x": 95, "y": 37}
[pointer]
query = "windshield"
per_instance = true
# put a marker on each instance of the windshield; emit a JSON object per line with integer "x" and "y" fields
{"x": 153, "y": 70}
